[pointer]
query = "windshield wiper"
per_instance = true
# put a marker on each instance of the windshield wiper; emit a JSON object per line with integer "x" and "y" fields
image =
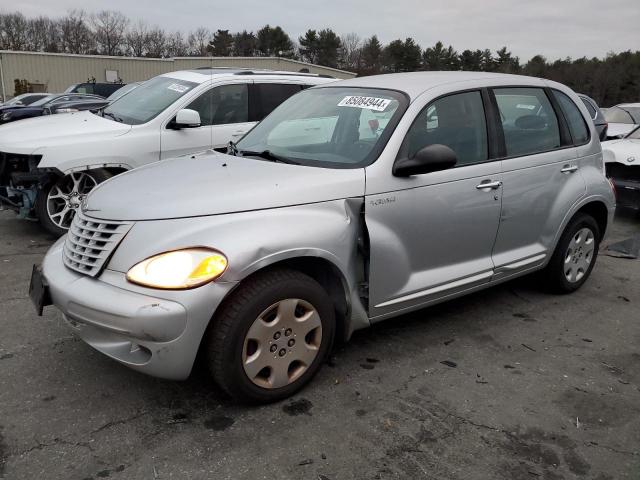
{"x": 111, "y": 115}
{"x": 267, "y": 155}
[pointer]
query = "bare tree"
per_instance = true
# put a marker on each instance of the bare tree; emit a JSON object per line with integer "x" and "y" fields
{"x": 137, "y": 39}
{"x": 176, "y": 46}
{"x": 199, "y": 41}
{"x": 156, "y": 43}
{"x": 14, "y": 31}
{"x": 109, "y": 27}
{"x": 351, "y": 52}
{"x": 76, "y": 37}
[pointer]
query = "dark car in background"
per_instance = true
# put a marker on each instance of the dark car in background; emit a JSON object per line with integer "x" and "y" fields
{"x": 92, "y": 102}
{"x": 54, "y": 103}
{"x": 596, "y": 115}
{"x": 94, "y": 88}
{"x": 24, "y": 99}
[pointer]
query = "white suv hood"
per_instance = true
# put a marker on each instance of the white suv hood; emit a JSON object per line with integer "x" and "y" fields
{"x": 621, "y": 151}
{"x": 27, "y": 136}
{"x": 214, "y": 183}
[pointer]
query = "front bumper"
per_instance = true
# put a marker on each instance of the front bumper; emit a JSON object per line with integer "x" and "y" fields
{"x": 627, "y": 193}
{"x": 153, "y": 331}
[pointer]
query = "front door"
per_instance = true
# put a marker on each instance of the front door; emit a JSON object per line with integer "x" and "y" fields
{"x": 432, "y": 236}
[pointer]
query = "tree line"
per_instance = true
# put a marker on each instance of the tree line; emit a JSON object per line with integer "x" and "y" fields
{"x": 611, "y": 80}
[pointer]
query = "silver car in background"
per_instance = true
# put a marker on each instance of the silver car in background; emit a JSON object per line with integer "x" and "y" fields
{"x": 351, "y": 203}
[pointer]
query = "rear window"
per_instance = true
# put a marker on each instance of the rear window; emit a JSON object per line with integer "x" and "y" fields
{"x": 618, "y": 115}
{"x": 528, "y": 121}
{"x": 577, "y": 126}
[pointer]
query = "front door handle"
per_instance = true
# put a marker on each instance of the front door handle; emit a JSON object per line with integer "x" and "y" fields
{"x": 569, "y": 168}
{"x": 489, "y": 185}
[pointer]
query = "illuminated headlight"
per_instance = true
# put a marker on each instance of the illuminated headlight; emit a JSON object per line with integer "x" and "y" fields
{"x": 180, "y": 269}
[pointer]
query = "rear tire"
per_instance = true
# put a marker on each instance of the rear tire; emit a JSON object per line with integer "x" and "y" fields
{"x": 271, "y": 336}
{"x": 59, "y": 199}
{"x": 574, "y": 256}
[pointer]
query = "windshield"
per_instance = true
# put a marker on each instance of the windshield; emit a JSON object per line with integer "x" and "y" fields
{"x": 148, "y": 100}
{"x": 635, "y": 135}
{"x": 43, "y": 101}
{"x": 122, "y": 91}
{"x": 337, "y": 127}
{"x": 617, "y": 115}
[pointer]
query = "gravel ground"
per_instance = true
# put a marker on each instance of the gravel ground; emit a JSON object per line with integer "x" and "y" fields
{"x": 510, "y": 383}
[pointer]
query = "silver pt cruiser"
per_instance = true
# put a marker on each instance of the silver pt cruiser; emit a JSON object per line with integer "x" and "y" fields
{"x": 351, "y": 203}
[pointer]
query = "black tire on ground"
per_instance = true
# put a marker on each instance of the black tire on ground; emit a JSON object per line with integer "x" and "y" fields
{"x": 41, "y": 208}
{"x": 553, "y": 275}
{"x": 226, "y": 336}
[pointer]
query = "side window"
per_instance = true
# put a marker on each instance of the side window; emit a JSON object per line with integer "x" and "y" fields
{"x": 270, "y": 95}
{"x": 577, "y": 126}
{"x": 590, "y": 108}
{"x": 528, "y": 121}
{"x": 456, "y": 121}
{"x": 222, "y": 105}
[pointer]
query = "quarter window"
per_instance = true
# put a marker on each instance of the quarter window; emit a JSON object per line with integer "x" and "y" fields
{"x": 528, "y": 121}
{"x": 577, "y": 126}
{"x": 223, "y": 105}
{"x": 590, "y": 108}
{"x": 456, "y": 121}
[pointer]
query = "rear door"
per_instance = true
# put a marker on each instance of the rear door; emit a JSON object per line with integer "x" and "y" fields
{"x": 539, "y": 175}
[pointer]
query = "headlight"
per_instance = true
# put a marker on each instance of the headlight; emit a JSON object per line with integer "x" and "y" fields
{"x": 180, "y": 269}
{"x": 66, "y": 110}
{"x": 5, "y": 116}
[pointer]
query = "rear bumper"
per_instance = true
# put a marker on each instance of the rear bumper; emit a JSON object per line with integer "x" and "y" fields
{"x": 152, "y": 331}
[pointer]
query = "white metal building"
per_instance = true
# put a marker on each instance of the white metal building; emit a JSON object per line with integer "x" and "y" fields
{"x": 54, "y": 72}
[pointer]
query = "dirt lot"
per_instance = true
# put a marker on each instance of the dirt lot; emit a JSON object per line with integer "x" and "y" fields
{"x": 536, "y": 387}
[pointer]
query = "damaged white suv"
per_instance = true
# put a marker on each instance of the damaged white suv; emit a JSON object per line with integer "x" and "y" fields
{"x": 48, "y": 164}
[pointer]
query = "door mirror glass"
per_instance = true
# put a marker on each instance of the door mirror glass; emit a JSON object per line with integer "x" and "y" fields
{"x": 431, "y": 158}
{"x": 186, "y": 118}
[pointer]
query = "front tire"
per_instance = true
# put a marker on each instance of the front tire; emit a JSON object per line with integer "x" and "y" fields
{"x": 271, "y": 337}
{"x": 59, "y": 199}
{"x": 574, "y": 256}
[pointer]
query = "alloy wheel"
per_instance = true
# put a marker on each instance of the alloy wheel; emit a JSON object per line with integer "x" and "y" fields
{"x": 66, "y": 196}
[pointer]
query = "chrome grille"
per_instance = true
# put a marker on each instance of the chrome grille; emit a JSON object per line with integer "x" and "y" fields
{"x": 90, "y": 243}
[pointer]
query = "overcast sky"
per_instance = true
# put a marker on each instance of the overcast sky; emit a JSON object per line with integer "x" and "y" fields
{"x": 554, "y": 28}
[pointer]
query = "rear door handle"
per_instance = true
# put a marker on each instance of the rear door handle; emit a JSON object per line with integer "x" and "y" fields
{"x": 489, "y": 185}
{"x": 569, "y": 168}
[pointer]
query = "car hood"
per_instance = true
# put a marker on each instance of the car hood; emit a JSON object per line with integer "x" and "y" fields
{"x": 31, "y": 134}
{"x": 622, "y": 151}
{"x": 214, "y": 183}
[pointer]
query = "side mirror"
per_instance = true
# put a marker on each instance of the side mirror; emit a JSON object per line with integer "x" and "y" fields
{"x": 185, "y": 118}
{"x": 428, "y": 159}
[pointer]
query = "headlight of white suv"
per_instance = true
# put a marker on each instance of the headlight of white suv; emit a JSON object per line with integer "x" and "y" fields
{"x": 179, "y": 269}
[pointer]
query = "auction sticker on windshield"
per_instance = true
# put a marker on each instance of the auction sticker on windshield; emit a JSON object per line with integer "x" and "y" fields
{"x": 370, "y": 103}
{"x": 176, "y": 87}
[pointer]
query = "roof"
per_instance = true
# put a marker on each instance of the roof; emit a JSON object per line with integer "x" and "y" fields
{"x": 201, "y": 75}
{"x": 416, "y": 83}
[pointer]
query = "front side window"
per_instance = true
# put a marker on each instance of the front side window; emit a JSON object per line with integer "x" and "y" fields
{"x": 223, "y": 105}
{"x": 529, "y": 123}
{"x": 577, "y": 126}
{"x": 336, "y": 127}
{"x": 148, "y": 100}
{"x": 457, "y": 121}
{"x": 270, "y": 95}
